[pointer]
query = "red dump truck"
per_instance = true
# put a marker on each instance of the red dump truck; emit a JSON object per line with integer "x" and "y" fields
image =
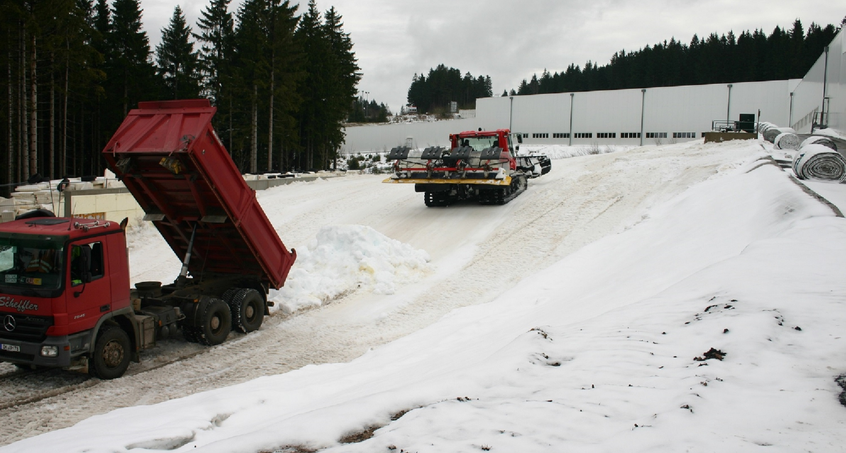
{"x": 65, "y": 296}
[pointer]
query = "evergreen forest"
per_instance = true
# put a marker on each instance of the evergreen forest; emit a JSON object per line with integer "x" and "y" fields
{"x": 364, "y": 111}
{"x": 433, "y": 93}
{"x": 283, "y": 82}
{"x": 750, "y": 57}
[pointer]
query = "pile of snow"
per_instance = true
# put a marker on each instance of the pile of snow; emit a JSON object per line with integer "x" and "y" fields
{"x": 715, "y": 324}
{"x": 347, "y": 258}
{"x": 341, "y": 259}
{"x": 831, "y": 132}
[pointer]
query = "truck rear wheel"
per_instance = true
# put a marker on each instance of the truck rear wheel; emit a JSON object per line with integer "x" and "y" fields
{"x": 111, "y": 354}
{"x": 247, "y": 310}
{"x": 215, "y": 323}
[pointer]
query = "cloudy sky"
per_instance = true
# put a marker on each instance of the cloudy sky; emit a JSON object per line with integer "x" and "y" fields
{"x": 511, "y": 40}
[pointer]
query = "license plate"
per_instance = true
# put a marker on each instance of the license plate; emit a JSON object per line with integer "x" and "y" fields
{"x": 10, "y": 347}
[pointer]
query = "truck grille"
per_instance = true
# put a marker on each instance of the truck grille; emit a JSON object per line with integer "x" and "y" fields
{"x": 25, "y": 327}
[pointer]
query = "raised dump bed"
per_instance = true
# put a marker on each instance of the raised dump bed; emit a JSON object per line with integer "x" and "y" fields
{"x": 171, "y": 160}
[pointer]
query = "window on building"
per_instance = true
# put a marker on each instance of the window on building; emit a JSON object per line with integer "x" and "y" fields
{"x": 560, "y": 135}
{"x": 629, "y": 134}
{"x": 583, "y": 135}
{"x": 656, "y": 135}
{"x": 540, "y": 135}
{"x": 684, "y": 134}
{"x": 606, "y": 135}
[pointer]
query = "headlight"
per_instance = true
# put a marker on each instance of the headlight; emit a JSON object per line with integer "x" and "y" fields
{"x": 49, "y": 351}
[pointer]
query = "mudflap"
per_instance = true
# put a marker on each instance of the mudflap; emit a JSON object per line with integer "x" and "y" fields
{"x": 193, "y": 312}
{"x": 423, "y": 188}
{"x": 438, "y": 199}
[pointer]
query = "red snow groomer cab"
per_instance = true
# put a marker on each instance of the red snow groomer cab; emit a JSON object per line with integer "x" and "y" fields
{"x": 480, "y": 165}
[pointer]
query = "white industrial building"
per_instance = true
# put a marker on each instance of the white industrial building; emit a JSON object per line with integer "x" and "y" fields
{"x": 638, "y": 116}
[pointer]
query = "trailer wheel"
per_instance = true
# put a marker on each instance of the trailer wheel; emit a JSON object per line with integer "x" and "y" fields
{"x": 247, "y": 310}
{"x": 111, "y": 354}
{"x": 216, "y": 323}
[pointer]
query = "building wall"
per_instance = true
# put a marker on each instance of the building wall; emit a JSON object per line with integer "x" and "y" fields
{"x": 687, "y": 111}
{"x": 599, "y": 117}
{"x": 383, "y": 137}
{"x": 808, "y": 95}
{"x": 104, "y": 204}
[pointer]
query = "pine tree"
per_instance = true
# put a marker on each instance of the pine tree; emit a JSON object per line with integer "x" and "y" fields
{"x": 74, "y": 78}
{"x": 316, "y": 51}
{"x": 216, "y": 38}
{"x": 177, "y": 61}
{"x": 285, "y": 75}
{"x": 266, "y": 77}
{"x": 12, "y": 25}
{"x": 130, "y": 70}
{"x": 344, "y": 69}
{"x": 250, "y": 42}
{"x": 444, "y": 85}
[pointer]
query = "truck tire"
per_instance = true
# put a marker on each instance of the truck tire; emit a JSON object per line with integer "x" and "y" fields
{"x": 111, "y": 354}
{"x": 248, "y": 309}
{"x": 215, "y": 323}
{"x": 229, "y": 294}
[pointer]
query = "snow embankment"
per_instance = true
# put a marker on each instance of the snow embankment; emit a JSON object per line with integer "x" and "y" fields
{"x": 340, "y": 260}
{"x": 347, "y": 258}
{"x": 714, "y": 324}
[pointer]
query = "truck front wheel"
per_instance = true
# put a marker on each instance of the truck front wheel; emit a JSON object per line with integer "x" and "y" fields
{"x": 111, "y": 354}
{"x": 215, "y": 323}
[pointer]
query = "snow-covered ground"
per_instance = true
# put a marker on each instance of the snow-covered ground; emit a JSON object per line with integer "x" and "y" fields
{"x": 685, "y": 297}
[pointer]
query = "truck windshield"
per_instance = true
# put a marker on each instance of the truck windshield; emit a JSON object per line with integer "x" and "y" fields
{"x": 479, "y": 143}
{"x": 36, "y": 267}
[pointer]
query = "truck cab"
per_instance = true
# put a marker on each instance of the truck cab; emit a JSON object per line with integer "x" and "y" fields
{"x": 60, "y": 280}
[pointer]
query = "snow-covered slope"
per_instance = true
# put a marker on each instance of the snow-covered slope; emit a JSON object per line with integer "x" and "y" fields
{"x": 620, "y": 304}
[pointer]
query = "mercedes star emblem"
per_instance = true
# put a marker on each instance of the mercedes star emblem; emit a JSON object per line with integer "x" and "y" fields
{"x": 9, "y": 323}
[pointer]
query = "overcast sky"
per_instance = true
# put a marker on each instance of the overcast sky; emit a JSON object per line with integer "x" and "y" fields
{"x": 511, "y": 40}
